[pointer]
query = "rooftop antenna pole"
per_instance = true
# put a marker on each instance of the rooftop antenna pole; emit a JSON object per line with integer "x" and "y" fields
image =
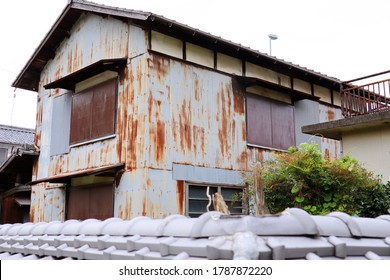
{"x": 271, "y": 37}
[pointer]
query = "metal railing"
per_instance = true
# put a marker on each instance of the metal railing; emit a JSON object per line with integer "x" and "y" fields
{"x": 367, "y": 98}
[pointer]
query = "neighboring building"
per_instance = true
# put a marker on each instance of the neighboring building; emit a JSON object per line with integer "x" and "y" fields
{"x": 138, "y": 114}
{"x": 365, "y": 130}
{"x": 17, "y": 154}
{"x": 292, "y": 235}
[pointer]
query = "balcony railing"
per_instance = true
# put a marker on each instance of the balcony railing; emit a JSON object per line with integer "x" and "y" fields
{"x": 367, "y": 98}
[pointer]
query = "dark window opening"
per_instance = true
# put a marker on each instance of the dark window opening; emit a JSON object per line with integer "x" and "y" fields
{"x": 198, "y": 200}
{"x": 93, "y": 112}
{"x": 270, "y": 123}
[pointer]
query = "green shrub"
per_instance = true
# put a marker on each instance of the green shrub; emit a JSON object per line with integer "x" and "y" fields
{"x": 303, "y": 178}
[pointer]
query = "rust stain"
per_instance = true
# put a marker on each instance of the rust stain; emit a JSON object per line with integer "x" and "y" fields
{"x": 132, "y": 150}
{"x": 197, "y": 90}
{"x": 327, "y": 154}
{"x": 180, "y": 196}
{"x": 224, "y": 103}
{"x": 185, "y": 127}
{"x": 330, "y": 115}
{"x": 239, "y": 100}
{"x": 160, "y": 141}
{"x": 161, "y": 65}
{"x": 199, "y": 139}
{"x": 144, "y": 206}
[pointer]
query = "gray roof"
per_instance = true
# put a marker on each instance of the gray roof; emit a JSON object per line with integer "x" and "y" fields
{"x": 16, "y": 135}
{"x": 294, "y": 234}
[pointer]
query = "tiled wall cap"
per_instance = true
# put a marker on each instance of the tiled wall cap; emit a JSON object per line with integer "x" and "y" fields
{"x": 4, "y": 229}
{"x": 14, "y": 230}
{"x": 96, "y": 227}
{"x": 208, "y": 225}
{"x": 328, "y": 225}
{"x": 56, "y": 228}
{"x": 145, "y": 226}
{"x": 368, "y": 227}
{"x": 75, "y": 228}
{"x": 309, "y": 227}
{"x": 179, "y": 227}
{"x": 117, "y": 228}
{"x": 28, "y": 228}
{"x": 41, "y": 228}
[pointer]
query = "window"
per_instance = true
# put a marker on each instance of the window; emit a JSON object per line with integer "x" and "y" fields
{"x": 3, "y": 155}
{"x": 93, "y": 112}
{"x": 270, "y": 123}
{"x": 197, "y": 199}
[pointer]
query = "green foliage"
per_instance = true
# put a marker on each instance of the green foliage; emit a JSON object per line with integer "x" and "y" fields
{"x": 303, "y": 178}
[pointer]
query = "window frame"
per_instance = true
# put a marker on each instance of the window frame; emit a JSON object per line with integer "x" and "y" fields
{"x": 219, "y": 187}
{"x": 274, "y": 130}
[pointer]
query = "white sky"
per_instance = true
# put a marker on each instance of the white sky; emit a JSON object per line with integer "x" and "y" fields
{"x": 340, "y": 38}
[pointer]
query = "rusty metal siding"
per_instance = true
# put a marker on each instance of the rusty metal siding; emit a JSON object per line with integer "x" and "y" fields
{"x": 150, "y": 192}
{"x": 47, "y": 203}
{"x": 54, "y": 203}
{"x": 329, "y": 113}
{"x": 206, "y": 115}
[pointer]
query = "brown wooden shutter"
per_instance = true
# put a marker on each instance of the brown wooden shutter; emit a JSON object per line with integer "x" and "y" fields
{"x": 103, "y": 109}
{"x": 90, "y": 202}
{"x": 93, "y": 112}
{"x": 270, "y": 123}
{"x": 81, "y": 117}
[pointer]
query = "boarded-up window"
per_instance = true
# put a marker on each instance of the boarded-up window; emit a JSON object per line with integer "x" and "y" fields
{"x": 270, "y": 123}
{"x": 93, "y": 112}
{"x": 198, "y": 200}
{"x": 90, "y": 202}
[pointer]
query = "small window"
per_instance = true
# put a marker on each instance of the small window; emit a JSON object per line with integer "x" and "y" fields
{"x": 3, "y": 155}
{"x": 93, "y": 112}
{"x": 270, "y": 123}
{"x": 197, "y": 198}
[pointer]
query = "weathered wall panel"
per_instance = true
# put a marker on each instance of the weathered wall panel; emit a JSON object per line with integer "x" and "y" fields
{"x": 229, "y": 64}
{"x": 150, "y": 192}
{"x": 166, "y": 44}
{"x": 199, "y": 55}
{"x": 323, "y": 93}
{"x": 54, "y": 203}
{"x": 256, "y": 71}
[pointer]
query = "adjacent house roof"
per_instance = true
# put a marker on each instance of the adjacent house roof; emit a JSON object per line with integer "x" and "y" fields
{"x": 16, "y": 135}
{"x": 28, "y": 78}
{"x": 294, "y": 234}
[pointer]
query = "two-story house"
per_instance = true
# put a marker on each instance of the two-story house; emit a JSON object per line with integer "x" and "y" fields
{"x": 138, "y": 114}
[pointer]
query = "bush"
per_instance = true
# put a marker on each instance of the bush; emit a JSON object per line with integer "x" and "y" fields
{"x": 303, "y": 178}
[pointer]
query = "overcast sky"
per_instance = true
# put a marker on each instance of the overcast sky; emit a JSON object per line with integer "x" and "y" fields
{"x": 340, "y": 38}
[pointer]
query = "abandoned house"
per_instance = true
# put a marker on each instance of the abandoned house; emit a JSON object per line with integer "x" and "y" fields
{"x": 17, "y": 155}
{"x": 138, "y": 114}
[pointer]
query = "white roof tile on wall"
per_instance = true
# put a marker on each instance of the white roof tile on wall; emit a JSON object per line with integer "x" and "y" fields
{"x": 294, "y": 234}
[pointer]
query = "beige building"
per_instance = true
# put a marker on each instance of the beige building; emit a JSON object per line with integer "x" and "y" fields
{"x": 365, "y": 131}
